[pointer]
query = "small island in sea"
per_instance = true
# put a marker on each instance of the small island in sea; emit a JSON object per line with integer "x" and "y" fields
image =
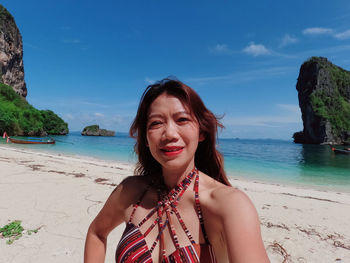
{"x": 94, "y": 130}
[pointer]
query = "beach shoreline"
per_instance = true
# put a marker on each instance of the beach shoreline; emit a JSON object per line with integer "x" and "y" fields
{"x": 61, "y": 194}
{"x": 252, "y": 177}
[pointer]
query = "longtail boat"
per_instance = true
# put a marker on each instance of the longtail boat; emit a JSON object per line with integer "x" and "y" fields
{"x": 30, "y": 141}
{"x": 342, "y": 151}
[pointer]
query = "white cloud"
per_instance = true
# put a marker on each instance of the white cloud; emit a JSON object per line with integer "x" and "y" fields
{"x": 242, "y": 76}
{"x": 288, "y": 40}
{"x": 30, "y": 45}
{"x": 71, "y": 41}
{"x": 69, "y": 116}
{"x": 149, "y": 80}
{"x": 266, "y": 121}
{"x": 315, "y": 31}
{"x": 221, "y": 49}
{"x": 97, "y": 114}
{"x": 287, "y": 114}
{"x": 88, "y": 103}
{"x": 256, "y": 50}
{"x": 290, "y": 107}
{"x": 343, "y": 35}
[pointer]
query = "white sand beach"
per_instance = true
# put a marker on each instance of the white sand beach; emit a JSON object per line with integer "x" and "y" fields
{"x": 61, "y": 195}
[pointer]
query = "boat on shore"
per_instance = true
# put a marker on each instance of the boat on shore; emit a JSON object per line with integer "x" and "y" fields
{"x": 29, "y": 141}
{"x": 49, "y": 141}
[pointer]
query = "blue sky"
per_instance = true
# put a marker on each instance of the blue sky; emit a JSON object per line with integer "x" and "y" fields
{"x": 90, "y": 62}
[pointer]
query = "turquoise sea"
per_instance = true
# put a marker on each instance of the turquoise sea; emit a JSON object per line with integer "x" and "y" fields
{"x": 263, "y": 160}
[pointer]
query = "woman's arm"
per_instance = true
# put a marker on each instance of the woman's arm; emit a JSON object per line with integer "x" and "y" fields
{"x": 111, "y": 215}
{"x": 241, "y": 227}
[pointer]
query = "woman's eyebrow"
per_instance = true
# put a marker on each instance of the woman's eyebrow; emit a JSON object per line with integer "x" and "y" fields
{"x": 155, "y": 115}
{"x": 181, "y": 113}
{"x": 158, "y": 115}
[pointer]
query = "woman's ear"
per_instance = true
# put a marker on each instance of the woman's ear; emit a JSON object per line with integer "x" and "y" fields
{"x": 201, "y": 137}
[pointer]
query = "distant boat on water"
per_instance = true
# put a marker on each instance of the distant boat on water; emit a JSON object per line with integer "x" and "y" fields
{"x": 29, "y": 141}
{"x": 341, "y": 151}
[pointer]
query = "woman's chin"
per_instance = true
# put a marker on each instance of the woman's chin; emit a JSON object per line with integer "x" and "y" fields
{"x": 176, "y": 165}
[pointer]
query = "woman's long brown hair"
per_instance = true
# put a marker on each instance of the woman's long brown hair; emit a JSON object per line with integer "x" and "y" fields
{"x": 207, "y": 158}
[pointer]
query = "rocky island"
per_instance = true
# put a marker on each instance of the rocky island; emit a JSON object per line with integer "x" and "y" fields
{"x": 324, "y": 99}
{"x": 94, "y": 130}
{"x": 17, "y": 116}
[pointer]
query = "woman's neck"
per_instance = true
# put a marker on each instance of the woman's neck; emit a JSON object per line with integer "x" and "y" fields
{"x": 174, "y": 176}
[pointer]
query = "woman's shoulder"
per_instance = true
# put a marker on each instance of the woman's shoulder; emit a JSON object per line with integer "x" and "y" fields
{"x": 137, "y": 182}
{"x": 132, "y": 187}
{"x": 233, "y": 217}
{"x": 115, "y": 209}
{"x": 223, "y": 200}
{"x": 128, "y": 192}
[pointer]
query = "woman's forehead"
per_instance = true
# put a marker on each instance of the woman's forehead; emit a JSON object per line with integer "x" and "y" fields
{"x": 167, "y": 103}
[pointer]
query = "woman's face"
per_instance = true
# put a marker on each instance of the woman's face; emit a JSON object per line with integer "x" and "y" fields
{"x": 172, "y": 133}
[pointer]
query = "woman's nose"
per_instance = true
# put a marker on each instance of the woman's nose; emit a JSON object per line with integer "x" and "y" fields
{"x": 170, "y": 131}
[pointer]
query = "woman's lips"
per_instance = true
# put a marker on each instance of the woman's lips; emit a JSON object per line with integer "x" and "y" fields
{"x": 171, "y": 150}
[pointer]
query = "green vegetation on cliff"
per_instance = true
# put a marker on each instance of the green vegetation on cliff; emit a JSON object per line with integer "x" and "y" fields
{"x": 333, "y": 103}
{"x": 94, "y": 130}
{"x": 18, "y": 117}
{"x": 91, "y": 128}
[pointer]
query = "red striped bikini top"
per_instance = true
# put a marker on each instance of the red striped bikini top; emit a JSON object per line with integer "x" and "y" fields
{"x": 133, "y": 248}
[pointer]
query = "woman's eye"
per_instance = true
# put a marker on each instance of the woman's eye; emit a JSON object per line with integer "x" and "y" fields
{"x": 183, "y": 119}
{"x": 154, "y": 124}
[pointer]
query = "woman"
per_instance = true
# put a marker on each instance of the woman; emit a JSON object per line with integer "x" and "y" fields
{"x": 182, "y": 207}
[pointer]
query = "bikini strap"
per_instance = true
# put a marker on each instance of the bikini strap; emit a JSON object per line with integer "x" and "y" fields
{"x": 138, "y": 203}
{"x": 167, "y": 203}
{"x": 198, "y": 208}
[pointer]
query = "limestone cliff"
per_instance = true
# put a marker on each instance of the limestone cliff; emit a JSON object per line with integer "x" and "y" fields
{"x": 11, "y": 53}
{"x": 17, "y": 116}
{"x": 324, "y": 100}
